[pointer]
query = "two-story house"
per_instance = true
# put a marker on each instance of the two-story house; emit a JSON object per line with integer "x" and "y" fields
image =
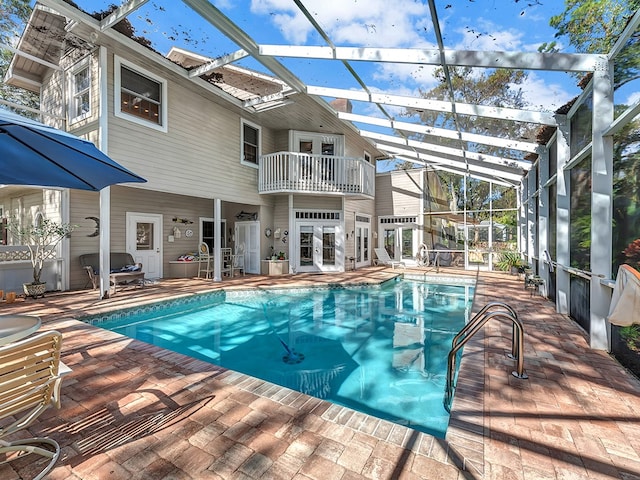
{"x": 226, "y": 150}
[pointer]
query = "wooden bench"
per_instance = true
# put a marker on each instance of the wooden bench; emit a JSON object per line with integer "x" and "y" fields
{"x": 124, "y": 270}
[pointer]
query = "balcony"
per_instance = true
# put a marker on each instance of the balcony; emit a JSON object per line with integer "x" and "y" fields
{"x": 291, "y": 172}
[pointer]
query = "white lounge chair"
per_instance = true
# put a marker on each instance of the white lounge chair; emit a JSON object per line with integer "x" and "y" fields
{"x": 385, "y": 259}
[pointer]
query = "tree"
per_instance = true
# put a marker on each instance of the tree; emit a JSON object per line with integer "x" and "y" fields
{"x": 13, "y": 16}
{"x": 593, "y": 26}
{"x": 498, "y": 88}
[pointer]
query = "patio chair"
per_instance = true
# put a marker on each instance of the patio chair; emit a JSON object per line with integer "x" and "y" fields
{"x": 30, "y": 380}
{"x": 385, "y": 259}
{"x": 205, "y": 262}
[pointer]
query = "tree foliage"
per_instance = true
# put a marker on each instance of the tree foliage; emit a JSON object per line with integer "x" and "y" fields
{"x": 498, "y": 88}
{"x": 593, "y": 26}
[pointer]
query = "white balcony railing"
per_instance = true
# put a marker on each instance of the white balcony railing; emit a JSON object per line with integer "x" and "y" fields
{"x": 299, "y": 172}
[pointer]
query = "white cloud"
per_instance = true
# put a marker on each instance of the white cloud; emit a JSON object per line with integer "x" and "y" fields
{"x": 350, "y": 22}
{"x": 542, "y": 95}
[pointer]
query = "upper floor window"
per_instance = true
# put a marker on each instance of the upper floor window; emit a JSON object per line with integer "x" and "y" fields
{"x": 80, "y": 93}
{"x": 250, "y": 143}
{"x": 367, "y": 156}
{"x": 140, "y": 96}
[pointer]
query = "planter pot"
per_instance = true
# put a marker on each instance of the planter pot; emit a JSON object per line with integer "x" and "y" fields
{"x": 34, "y": 290}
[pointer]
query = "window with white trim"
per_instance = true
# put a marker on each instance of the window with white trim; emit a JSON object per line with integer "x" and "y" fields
{"x": 250, "y": 139}
{"x": 80, "y": 105}
{"x": 140, "y": 96}
{"x": 367, "y": 156}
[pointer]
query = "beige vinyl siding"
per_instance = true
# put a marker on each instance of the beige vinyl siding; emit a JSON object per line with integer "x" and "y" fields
{"x": 198, "y": 156}
{"x": 399, "y": 193}
{"x": 281, "y": 221}
{"x": 126, "y": 199}
{"x": 351, "y": 209}
{"x": 311, "y": 202}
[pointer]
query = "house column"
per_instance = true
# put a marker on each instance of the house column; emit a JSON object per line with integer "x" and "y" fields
{"x": 601, "y": 206}
{"x": 217, "y": 235}
{"x": 532, "y": 227}
{"x": 105, "y": 193}
{"x": 543, "y": 217}
{"x": 563, "y": 206}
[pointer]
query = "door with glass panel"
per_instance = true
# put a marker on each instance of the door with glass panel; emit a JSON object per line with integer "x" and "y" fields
{"x": 399, "y": 241}
{"x": 318, "y": 247}
{"x": 144, "y": 241}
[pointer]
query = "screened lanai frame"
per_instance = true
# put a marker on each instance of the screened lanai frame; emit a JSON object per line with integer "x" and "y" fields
{"x": 513, "y": 171}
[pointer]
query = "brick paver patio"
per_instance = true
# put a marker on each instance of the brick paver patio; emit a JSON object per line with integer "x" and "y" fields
{"x": 135, "y": 411}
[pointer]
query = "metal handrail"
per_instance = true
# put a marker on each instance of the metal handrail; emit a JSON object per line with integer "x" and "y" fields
{"x": 469, "y": 330}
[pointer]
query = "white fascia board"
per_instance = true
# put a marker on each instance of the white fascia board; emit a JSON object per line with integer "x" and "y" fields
{"x": 447, "y": 161}
{"x": 121, "y": 12}
{"x": 502, "y": 113}
{"x": 457, "y": 152}
{"x": 442, "y": 132}
{"x": 219, "y": 62}
{"x": 72, "y": 13}
{"x": 28, "y": 56}
{"x": 560, "y": 62}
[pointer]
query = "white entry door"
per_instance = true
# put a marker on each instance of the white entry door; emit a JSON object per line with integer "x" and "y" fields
{"x": 144, "y": 241}
{"x": 247, "y": 243}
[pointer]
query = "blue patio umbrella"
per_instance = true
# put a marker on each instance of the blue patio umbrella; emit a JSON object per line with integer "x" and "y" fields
{"x": 32, "y": 153}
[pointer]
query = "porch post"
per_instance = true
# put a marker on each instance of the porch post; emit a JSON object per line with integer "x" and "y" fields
{"x": 105, "y": 193}
{"x": 105, "y": 240}
{"x": 543, "y": 217}
{"x": 217, "y": 234}
{"x": 601, "y": 206}
{"x": 563, "y": 206}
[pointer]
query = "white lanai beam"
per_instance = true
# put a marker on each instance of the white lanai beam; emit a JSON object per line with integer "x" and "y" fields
{"x": 442, "y": 132}
{"x": 216, "y": 18}
{"x": 453, "y": 162}
{"x": 121, "y": 12}
{"x": 559, "y": 62}
{"x": 502, "y": 113}
{"x": 509, "y": 162}
{"x": 218, "y": 62}
{"x": 461, "y": 170}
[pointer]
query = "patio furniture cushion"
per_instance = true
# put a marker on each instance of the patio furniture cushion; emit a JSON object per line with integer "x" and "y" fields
{"x": 124, "y": 269}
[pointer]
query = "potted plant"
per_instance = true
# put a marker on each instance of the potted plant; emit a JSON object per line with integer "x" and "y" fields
{"x": 41, "y": 238}
{"x": 511, "y": 261}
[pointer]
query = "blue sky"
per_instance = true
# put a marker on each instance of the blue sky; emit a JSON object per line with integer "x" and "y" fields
{"x": 503, "y": 25}
{"x": 474, "y": 25}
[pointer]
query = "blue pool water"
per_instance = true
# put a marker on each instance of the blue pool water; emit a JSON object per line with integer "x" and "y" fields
{"x": 381, "y": 350}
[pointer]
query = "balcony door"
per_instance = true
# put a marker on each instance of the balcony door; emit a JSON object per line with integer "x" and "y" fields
{"x": 317, "y": 164}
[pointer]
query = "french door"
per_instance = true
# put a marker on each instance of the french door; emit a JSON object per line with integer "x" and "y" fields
{"x": 318, "y": 247}
{"x": 362, "y": 241}
{"x": 400, "y": 241}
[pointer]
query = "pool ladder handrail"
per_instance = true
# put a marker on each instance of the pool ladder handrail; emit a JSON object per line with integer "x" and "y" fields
{"x": 471, "y": 328}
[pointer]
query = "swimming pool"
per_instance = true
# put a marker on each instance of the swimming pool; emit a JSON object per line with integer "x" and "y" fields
{"x": 381, "y": 350}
